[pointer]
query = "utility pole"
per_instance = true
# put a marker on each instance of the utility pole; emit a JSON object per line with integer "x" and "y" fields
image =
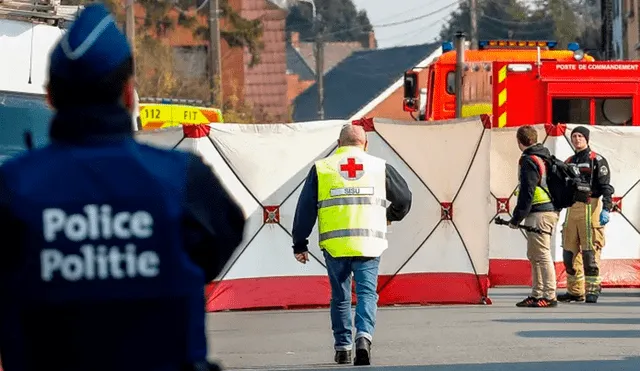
{"x": 473, "y": 10}
{"x": 130, "y": 22}
{"x": 214, "y": 53}
{"x": 130, "y": 28}
{"x": 606, "y": 31}
{"x": 320, "y": 69}
{"x": 318, "y": 29}
{"x": 460, "y": 51}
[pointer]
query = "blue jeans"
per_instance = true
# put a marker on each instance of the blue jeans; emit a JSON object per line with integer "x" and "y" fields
{"x": 365, "y": 272}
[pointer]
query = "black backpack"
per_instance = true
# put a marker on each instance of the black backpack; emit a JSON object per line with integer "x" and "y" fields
{"x": 564, "y": 182}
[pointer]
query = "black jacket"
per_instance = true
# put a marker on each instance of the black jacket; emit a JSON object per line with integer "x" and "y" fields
{"x": 591, "y": 163}
{"x": 529, "y": 178}
{"x": 213, "y": 223}
{"x": 83, "y": 328}
{"x": 398, "y": 193}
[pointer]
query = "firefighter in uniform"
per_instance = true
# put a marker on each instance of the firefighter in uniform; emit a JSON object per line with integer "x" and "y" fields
{"x": 349, "y": 193}
{"x": 583, "y": 230}
{"x": 111, "y": 241}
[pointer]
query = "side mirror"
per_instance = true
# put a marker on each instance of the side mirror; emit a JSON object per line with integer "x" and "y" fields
{"x": 410, "y": 101}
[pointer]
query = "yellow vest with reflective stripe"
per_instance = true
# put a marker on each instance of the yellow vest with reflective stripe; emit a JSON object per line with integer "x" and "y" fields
{"x": 352, "y": 204}
{"x": 541, "y": 193}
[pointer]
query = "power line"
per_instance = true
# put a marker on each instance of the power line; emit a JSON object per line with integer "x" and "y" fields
{"x": 391, "y": 24}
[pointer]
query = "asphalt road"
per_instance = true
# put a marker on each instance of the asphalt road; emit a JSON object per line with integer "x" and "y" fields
{"x": 498, "y": 337}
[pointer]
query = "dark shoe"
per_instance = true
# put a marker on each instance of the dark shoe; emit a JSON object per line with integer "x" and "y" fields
{"x": 529, "y": 301}
{"x": 342, "y": 357}
{"x": 567, "y": 298}
{"x": 592, "y": 298}
{"x": 363, "y": 352}
{"x": 545, "y": 303}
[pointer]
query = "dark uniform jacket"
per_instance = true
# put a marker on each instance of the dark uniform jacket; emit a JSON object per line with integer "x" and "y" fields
{"x": 529, "y": 178}
{"x": 591, "y": 163}
{"x": 398, "y": 193}
{"x": 108, "y": 245}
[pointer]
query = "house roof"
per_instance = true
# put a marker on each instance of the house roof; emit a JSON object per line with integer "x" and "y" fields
{"x": 334, "y": 53}
{"x": 297, "y": 65}
{"x": 358, "y": 80}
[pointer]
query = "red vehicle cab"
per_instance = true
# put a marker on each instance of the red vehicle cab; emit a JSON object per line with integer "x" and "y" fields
{"x": 597, "y": 93}
{"x": 436, "y": 100}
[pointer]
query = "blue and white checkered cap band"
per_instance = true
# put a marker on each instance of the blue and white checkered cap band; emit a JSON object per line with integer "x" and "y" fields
{"x": 93, "y": 46}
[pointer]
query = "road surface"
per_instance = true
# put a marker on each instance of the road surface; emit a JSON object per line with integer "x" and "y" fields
{"x": 498, "y": 337}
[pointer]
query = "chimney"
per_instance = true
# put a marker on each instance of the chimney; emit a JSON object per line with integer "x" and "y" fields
{"x": 295, "y": 39}
{"x": 372, "y": 40}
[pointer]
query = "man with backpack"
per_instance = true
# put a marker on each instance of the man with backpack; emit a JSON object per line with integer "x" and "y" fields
{"x": 536, "y": 208}
{"x": 583, "y": 232}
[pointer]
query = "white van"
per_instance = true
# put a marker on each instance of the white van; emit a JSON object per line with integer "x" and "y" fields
{"x": 28, "y": 34}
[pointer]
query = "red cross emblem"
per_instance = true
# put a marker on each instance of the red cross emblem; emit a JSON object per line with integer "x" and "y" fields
{"x": 352, "y": 169}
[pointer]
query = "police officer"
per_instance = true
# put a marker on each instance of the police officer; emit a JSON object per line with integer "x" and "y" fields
{"x": 348, "y": 192}
{"x": 584, "y": 224}
{"x": 111, "y": 241}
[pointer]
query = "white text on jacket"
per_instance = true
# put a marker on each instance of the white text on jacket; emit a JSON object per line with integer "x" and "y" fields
{"x": 101, "y": 261}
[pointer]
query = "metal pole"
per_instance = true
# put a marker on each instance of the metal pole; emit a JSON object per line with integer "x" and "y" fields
{"x": 473, "y": 9}
{"x": 460, "y": 48}
{"x": 130, "y": 22}
{"x": 320, "y": 73}
{"x": 130, "y": 30}
{"x": 214, "y": 53}
{"x": 319, "y": 49}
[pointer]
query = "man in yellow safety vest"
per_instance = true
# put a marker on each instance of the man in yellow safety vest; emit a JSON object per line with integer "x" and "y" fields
{"x": 349, "y": 193}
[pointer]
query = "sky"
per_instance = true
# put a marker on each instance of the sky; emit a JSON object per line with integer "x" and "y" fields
{"x": 432, "y": 15}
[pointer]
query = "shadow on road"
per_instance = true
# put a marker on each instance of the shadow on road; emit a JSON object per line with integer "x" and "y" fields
{"x": 618, "y": 304}
{"x": 628, "y": 364}
{"x": 582, "y": 334}
{"x": 597, "y": 321}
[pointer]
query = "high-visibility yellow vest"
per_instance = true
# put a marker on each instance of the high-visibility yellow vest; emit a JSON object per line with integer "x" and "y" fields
{"x": 352, "y": 204}
{"x": 541, "y": 193}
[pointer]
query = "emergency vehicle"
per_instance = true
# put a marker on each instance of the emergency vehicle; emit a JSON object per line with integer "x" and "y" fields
{"x": 436, "y": 100}
{"x": 158, "y": 113}
{"x": 595, "y": 93}
{"x": 28, "y": 33}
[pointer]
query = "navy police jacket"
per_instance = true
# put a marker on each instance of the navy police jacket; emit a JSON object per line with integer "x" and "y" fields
{"x": 107, "y": 247}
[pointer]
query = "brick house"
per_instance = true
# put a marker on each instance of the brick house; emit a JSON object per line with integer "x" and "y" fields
{"x": 265, "y": 85}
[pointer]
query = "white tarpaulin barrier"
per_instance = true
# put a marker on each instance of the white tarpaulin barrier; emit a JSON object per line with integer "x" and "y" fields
{"x": 437, "y": 254}
{"x": 620, "y": 265}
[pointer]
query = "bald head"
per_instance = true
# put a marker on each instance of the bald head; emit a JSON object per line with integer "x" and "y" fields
{"x": 352, "y": 135}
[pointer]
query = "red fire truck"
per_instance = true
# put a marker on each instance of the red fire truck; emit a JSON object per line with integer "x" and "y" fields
{"x": 436, "y": 100}
{"x": 596, "y": 93}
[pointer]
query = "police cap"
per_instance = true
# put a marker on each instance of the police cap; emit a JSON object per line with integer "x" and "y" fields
{"x": 91, "y": 48}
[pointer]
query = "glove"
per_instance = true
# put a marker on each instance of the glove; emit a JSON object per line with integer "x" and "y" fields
{"x": 604, "y": 217}
{"x": 513, "y": 225}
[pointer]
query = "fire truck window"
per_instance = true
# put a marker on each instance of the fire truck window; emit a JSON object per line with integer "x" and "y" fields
{"x": 614, "y": 111}
{"x": 451, "y": 82}
{"x": 570, "y": 111}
